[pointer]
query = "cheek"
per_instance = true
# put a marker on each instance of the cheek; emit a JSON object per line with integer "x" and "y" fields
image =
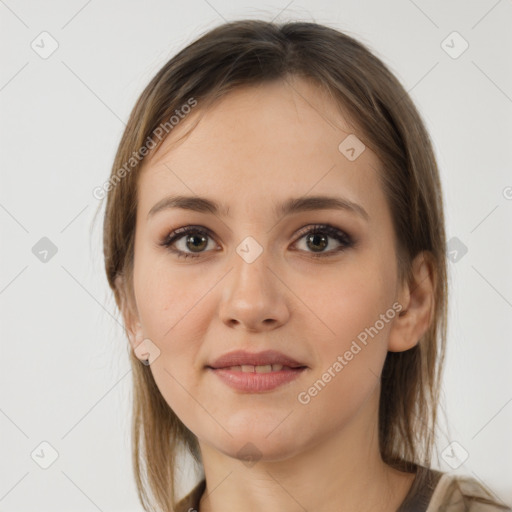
{"x": 350, "y": 361}
{"x": 173, "y": 312}
{"x": 355, "y": 307}
{"x": 167, "y": 292}
{"x": 349, "y": 297}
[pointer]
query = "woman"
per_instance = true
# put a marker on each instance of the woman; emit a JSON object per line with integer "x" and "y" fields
{"x": 274, "y": 237}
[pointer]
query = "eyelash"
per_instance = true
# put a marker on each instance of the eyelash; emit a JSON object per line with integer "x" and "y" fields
{"x": 327, "y": 229}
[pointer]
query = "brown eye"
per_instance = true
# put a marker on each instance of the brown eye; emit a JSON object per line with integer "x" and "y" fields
{"x": 317, "y": 239}
{"x": 196, "y": 242}
{"x": 188, "y": 242}
{"x": 193, "y": 241}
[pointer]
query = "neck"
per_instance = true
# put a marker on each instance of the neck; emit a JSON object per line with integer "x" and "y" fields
{"x": 342, "y": 472}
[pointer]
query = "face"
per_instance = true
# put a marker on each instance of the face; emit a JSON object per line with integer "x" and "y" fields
{"x": 311, "y": 283}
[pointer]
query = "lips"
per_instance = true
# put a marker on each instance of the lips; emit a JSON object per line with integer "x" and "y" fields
{"x": 259, "y": 362}
{"x": 249, "y": 368}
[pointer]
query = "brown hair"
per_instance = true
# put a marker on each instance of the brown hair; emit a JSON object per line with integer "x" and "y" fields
{"x": 249, "y": 52}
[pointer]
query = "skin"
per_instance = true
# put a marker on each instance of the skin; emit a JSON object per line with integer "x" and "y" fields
{"x": 259, "y": 146}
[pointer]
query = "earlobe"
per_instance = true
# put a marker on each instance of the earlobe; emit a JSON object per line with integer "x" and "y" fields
{"x": 138, "y": 342}
{"x": 135, "y": 335}
{"x": 417, "y": 300}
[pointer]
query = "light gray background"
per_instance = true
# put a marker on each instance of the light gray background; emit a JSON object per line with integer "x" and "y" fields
{"x": 65, "y": 377}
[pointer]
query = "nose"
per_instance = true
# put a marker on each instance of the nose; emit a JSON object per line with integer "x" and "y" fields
{"x": 254, "y": 297}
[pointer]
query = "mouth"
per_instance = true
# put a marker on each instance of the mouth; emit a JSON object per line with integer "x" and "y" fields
{"x": 267, "y": 368}
{"x": 256, "y": 362}
{"x": 248, "y": 372}
{"x": 259, "y": 379}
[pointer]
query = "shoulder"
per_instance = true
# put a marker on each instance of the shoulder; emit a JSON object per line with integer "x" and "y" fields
{"x": 447, "y": 493}
{"x": 456, "y": 493}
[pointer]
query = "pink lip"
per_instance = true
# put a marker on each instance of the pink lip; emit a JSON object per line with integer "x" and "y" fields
{"x": 242, "y": 357}
{"x": 257, "y": 382}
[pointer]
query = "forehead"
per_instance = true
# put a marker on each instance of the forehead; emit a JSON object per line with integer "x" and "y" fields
{"x": 266, "y": 142}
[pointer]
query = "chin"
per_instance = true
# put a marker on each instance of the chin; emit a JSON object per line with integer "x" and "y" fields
{"x": 250, "y": 449}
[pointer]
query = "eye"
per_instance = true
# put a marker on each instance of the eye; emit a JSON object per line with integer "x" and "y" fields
{"x": 193, "y": 241}
{"x": 317, "y": 239}
{"x": 193, "y": 238}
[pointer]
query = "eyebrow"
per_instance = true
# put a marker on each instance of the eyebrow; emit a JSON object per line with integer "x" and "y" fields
{"x": 290, "y": 206}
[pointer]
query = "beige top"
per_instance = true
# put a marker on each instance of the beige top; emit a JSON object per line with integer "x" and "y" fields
{"x": 431, "y": 491}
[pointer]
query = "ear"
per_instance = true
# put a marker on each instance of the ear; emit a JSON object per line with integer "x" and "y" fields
{"x": 417, "y": 299}
{"x": 133, "y": 327}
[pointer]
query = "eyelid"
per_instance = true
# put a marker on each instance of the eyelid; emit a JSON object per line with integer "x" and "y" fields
{"x": 177, "y": 233}
{"x": 331, "y": 230}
